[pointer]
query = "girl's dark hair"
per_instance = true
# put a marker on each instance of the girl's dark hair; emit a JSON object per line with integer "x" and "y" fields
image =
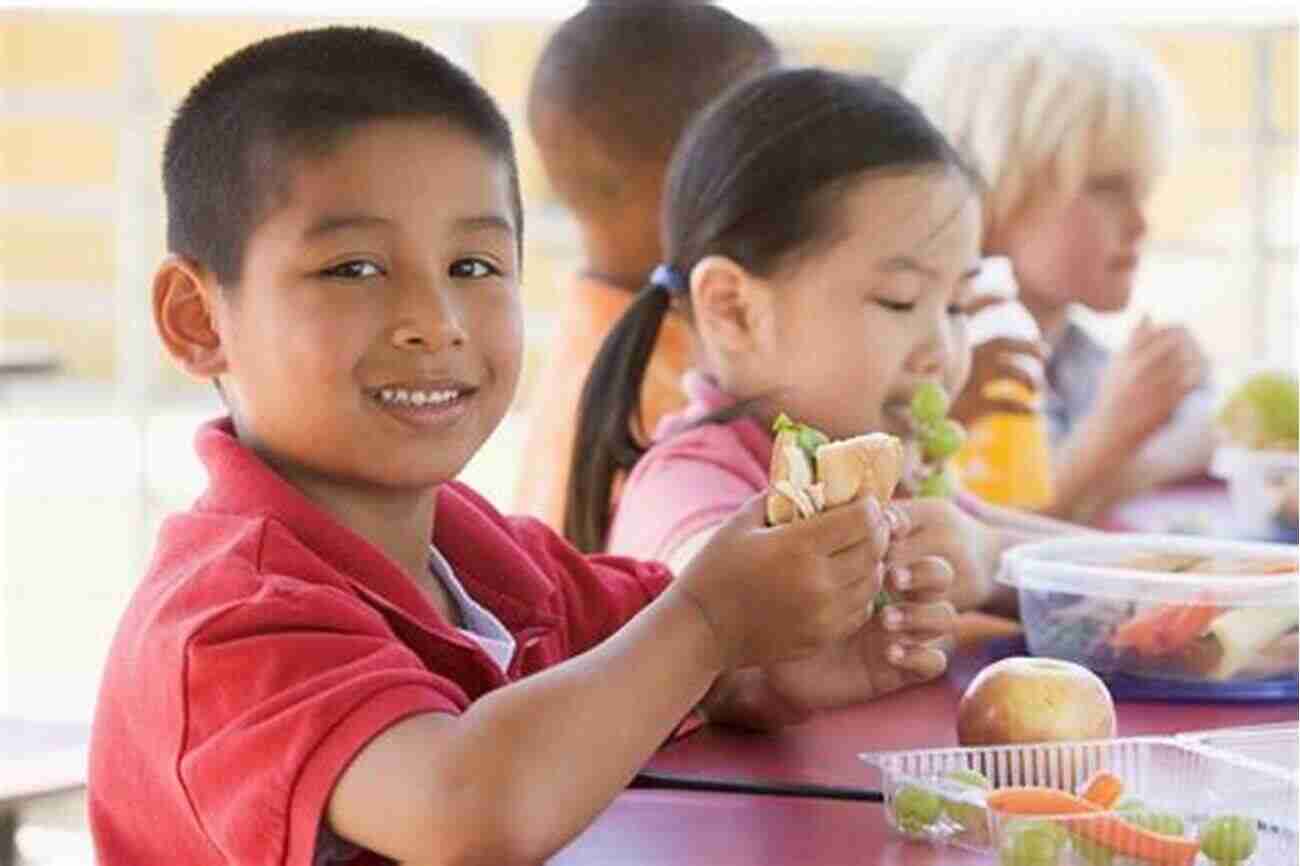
{"x": 757, "y": 178}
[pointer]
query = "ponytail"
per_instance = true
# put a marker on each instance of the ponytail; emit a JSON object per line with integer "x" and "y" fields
{"x": 609, "y": 414}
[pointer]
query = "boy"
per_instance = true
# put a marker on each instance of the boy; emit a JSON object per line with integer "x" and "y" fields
{"x": 1071, "y": 131}
{"x": 615, "y": 87}
{"x": 340, "y": 655}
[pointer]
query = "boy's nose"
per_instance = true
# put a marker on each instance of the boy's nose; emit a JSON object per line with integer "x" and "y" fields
{"x": 410, "y": 336}
{"x": 430, "y": 325}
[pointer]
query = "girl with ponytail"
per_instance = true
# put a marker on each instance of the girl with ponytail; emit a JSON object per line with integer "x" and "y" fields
{"x": 821, "y": 237}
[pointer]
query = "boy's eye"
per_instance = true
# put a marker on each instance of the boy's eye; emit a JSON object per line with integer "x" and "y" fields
{"x": 958, "y": 310}
{"x": 357, "y": 269}
{"x": 472, "y": 269}
{"x": 896, "y": 306}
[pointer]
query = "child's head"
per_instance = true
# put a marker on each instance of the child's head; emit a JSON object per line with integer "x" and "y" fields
{"x": 614, "y": 89}
{"x": 820, "y": 236}
{"x": 344, "y": 223}
{"x": 1070, "y": 130}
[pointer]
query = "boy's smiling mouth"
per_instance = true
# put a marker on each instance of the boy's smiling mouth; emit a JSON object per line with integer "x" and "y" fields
{"x": 424, "y": 403}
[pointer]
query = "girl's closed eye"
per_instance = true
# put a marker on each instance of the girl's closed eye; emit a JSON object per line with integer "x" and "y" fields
{"x": 896, "y": 306}
{"x": 354, "y": 269}
{"x": 473, "y": 268}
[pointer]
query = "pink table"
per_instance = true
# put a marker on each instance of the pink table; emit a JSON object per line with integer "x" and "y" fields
{"x": 670, "y": 827}
{"x": 1200, "y": 505}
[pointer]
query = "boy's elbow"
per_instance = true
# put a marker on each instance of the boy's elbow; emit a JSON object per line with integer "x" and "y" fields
{"x": 499, "y": 835}
{"x": 481, "y": 847}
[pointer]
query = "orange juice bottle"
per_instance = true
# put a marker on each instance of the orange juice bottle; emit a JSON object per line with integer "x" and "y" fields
{"x": 1007, "y": 458}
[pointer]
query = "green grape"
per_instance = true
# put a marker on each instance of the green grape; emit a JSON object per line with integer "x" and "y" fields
{"x": 1092, "y": 853}
{"x": 916, "y": 808}
{"x": 942, "y": 440}
{"x": 929, "y": 403}
{"x": 966, "y": 815}
{"x": 1158, "y": 822}
{"x": 940, "y": 485}
{"x": 1032, "y": 843}
{"x": 1228, "y": 839}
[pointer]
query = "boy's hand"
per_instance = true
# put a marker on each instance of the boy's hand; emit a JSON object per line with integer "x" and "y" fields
{"x": 932, "y": 527}
{"x": 1146, "y": 380}
{"x": 895, "y": 649}
{"x": 777, "y": 593}
{"x": 993, "y": 360}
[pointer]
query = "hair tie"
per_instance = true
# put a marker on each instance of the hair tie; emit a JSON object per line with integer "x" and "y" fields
{"x": 668, "y": 279}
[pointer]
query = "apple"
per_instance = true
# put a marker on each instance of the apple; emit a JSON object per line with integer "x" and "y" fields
{"x": 1034, "y": 700}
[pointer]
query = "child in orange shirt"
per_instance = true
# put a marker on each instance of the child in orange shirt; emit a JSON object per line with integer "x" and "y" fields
{"x": 615, "y": 87}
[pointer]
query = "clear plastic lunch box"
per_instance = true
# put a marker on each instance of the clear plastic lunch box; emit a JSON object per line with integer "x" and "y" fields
{"x": 1196, "y": 780}
{"x": 1076, "y": 593}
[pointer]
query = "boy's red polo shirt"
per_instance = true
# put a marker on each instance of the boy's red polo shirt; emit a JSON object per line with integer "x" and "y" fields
{"x": 268, "y": 644}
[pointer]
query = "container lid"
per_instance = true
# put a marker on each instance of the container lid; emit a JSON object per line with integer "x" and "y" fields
{"x": 1094, "y": 565}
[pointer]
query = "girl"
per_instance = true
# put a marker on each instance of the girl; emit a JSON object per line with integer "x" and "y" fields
{"x": 821, "y": 237}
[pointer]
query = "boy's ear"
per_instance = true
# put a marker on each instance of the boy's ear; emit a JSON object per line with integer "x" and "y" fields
{"x": 728, "y": 302}
{"x": 183, "y": 298}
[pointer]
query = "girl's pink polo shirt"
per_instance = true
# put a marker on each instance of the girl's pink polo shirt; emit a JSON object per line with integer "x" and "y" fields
{"x": 692, "y": 478}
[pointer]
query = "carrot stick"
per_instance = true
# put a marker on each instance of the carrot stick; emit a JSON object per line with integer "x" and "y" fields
{"x": 1030, "y": 800}
{"x": 1099, "y": 826}
{"x": 1165, "y": 629}
{"x": 1104, "y": 788}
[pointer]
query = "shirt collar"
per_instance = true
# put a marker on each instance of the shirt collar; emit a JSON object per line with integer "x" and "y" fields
{"x": 472, "y": 537}
{"x": 704, "y": 398}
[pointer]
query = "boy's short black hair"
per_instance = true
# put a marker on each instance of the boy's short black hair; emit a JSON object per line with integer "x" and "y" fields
{"x": 633, "y": 73}
{"x": 233, "y": 140}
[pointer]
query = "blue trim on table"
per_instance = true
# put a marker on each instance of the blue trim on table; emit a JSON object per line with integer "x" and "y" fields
{"x": 1124, "y": 687}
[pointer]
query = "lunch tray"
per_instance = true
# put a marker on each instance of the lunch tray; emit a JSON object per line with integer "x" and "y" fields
{"x": 1277, "y": 745}
{"x": 1196, "y": 777}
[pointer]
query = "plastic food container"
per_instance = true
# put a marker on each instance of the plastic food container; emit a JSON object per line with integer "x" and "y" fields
{"x": 1262, "y": 488}
{"x": 1275, "y": 744}
{"x": 1183, "y": 783}
{"x": 1167, "y": 607}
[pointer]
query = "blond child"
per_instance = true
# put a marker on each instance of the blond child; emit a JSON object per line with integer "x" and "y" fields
{"x": 613, "y": 89}
{"x": 1071, "y": 130}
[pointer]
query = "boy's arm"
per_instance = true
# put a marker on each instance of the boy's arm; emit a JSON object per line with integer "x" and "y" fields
{"x": 503, "y": 783}
{"x": 528, "y": 766}
{"x": 1093, "y": 472}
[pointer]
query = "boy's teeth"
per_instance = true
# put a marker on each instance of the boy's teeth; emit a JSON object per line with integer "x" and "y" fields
{"x": 403, "y": 397}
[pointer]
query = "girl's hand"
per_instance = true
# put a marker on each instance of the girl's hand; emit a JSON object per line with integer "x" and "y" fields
{"x": 929, "y": 528}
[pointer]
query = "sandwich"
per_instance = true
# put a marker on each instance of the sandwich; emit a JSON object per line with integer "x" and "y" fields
{"x": 809, "y": 473}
